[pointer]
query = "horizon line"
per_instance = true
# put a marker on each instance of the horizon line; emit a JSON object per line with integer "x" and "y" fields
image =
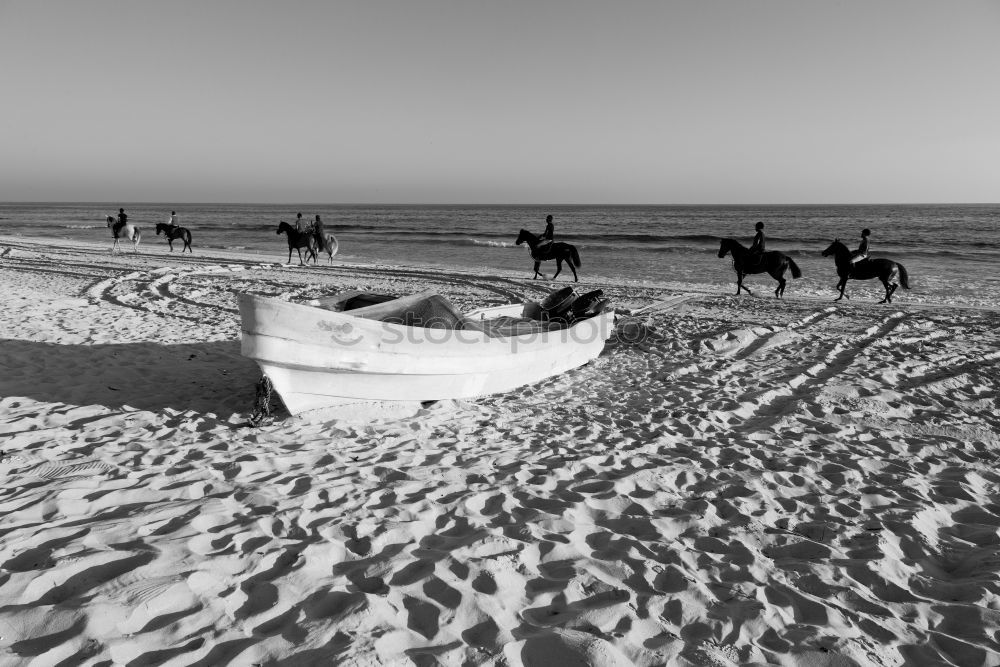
{"x": 489, "y": 205}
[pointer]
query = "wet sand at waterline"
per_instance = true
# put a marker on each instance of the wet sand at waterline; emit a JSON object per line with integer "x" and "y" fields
{"x": 733, "y": 481}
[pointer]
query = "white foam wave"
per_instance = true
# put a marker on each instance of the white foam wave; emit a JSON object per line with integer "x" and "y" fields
{"x": 493, "y": 244}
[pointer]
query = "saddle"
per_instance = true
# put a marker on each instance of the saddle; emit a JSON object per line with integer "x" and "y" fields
{"x": 854, "y": 266}
{"x": 754, "y": 260}
{"x": 543, "y": 250}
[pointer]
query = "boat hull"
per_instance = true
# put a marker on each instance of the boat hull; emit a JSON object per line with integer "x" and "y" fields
{"x": 316, "y": 358}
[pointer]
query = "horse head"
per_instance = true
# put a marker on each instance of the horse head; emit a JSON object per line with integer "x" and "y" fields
{"x": 835, "y": 248}
{"x": 730, "y": 246}
{"x": 523, "y": 235}
{"x": 111, "y": 222}
{"x": 159, "y": 227}
{"x": 282, "y": 226}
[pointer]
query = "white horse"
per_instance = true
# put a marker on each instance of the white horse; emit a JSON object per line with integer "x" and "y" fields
{"x": 331, "y": 247}
{"x": 124, "y": 230}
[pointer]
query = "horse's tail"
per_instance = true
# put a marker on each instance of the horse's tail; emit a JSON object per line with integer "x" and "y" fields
{"x": 904, "y": 278}
{"x": 796, "y": 271}
{"x": 574, "y": 256}
{"x": 187, "y": 236}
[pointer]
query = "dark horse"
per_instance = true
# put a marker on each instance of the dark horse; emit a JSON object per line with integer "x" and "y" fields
{"x": 175, "y": 232}
{"x": 772, "y": 262}
{"x": 559, "y": 251}
{"x": 297, "y": 241}
{"x": 885, "y": 270}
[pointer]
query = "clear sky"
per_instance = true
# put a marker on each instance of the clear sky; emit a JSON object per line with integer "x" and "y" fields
{"x": 501, "y": 101}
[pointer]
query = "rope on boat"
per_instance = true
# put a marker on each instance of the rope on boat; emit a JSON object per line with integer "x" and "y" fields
{"x": 261, "y": 414}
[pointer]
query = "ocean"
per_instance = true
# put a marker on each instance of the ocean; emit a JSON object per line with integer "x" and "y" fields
{"x": 950, "y": 251}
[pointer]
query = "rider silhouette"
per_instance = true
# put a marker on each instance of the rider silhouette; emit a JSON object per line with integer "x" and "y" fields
{"x": 756, "y": 252}
{"x": 319, "y": 234}
{"x": 861, "y": 253}
{"x": 550, "y": 229}
{"x": 545, "y": 240}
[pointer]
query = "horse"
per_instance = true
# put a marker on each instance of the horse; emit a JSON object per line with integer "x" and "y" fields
{"x": 559, "y": 251}
{"x": 885, "y": 270}
{"x": 296, "y": 241}
{"x": 772, "y": 262}
{"x": 124, "y": 230}
{"x": 331, "y": 247}
{"x": 175, "y": 232}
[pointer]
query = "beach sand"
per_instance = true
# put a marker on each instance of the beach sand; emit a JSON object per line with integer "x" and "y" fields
{"x": 734, "y": 481}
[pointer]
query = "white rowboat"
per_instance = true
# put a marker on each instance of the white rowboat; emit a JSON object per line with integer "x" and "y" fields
{"x": 318, "y": 358}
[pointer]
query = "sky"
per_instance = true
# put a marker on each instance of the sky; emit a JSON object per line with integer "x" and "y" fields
{"x": 500, "y": 102}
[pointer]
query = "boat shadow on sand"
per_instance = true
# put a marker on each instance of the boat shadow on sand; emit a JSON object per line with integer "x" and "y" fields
{"x": 207, "y": 377}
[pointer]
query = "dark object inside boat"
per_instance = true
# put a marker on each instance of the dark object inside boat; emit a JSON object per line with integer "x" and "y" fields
{"x": 566, "y": 306}
{"x": 353, "y": 300}
{"x": 427, "y": 309}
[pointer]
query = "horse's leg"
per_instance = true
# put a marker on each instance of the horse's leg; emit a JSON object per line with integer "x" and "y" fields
{"x": 888, "y": 291}
{"x": 537, "y": 272}
{"x": 558, "y": 268}
{"x": 573, "y": 269}
{"x": 842, "y": 285}
{"x": 779, "y": 275}
{"x": 740, "y": 285}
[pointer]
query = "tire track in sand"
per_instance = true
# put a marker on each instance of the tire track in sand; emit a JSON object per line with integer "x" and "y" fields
{"x": 769, "y": 406}
{"x": 737, "y": 346}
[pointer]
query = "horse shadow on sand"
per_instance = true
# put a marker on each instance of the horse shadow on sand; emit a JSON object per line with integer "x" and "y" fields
{"x": 202, "y": 377}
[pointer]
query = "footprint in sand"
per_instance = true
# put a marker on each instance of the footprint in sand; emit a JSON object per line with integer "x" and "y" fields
{"x": 567, "y": 648}
{"x": 422, "y": 616}
{"x": 556, "y": 615}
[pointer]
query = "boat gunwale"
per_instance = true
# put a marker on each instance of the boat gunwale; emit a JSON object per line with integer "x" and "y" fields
{"x": 418, "y": 336}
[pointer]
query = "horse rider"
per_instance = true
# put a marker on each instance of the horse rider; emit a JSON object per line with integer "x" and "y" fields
{"x": 546, "y": 239}
{"x": 298, "y": 223}
{"x": 319, "y": 234}
{"x": 756, "y": 251}
{"x": 172, "y": 221}
{"x": 122, "y": 218}
{"x": 861, "y": 253}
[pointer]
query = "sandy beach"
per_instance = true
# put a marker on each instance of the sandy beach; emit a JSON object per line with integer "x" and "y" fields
{"x": 733, "y": 481}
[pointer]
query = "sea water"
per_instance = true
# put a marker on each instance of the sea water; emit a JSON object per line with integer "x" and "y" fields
{"x": 951, "y": 252}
